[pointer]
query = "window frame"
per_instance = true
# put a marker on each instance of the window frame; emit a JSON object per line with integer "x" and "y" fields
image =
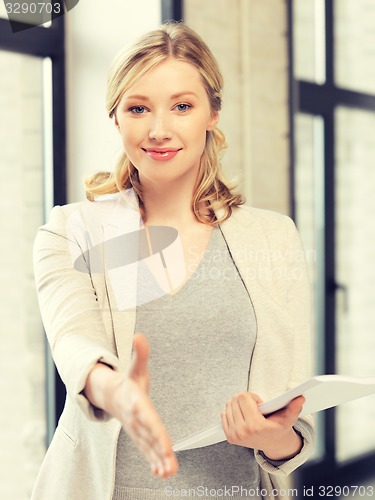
{"x": 322, "y": 99}
{"x": 48, "y": 43}
{"x": 172, "y": 10}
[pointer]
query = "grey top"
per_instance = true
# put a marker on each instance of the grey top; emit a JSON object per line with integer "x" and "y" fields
{"x": 201, "y": 340}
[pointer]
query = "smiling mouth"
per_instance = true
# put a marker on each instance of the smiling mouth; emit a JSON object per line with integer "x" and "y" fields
{"x": 161, "y": 154}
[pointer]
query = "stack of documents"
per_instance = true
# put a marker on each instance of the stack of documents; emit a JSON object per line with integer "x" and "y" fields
{"x": 320, "y": 392}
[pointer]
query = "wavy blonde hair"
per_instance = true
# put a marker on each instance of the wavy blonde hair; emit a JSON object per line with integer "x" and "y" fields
{"x": 182, "y": 43}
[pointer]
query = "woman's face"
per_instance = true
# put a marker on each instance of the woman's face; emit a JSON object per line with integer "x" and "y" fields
{"x": 163, "y": 121}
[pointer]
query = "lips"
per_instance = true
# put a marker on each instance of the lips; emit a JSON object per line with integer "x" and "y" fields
{"x": 161, "y": 154}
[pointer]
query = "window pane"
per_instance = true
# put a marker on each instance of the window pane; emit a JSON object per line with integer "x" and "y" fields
{"x": 3, "y": 12}
{"x": 309, "y": 189}
{"x": 22, "y": 373}
{"x": 355, "y": 268}
{"x": 354, "y": 44}
{"x": 309, "y": 40}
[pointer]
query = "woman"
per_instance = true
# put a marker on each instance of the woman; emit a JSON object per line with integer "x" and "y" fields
{"x": 218, "y": 289}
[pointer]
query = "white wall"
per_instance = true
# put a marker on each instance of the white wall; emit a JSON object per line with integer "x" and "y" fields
{"x": 22, "y": 384}
{"x": 249, "y": 39}
{"x": 96, "y": 30}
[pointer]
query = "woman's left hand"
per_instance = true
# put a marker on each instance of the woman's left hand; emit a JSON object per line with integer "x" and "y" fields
{"x": 244, "y": 425}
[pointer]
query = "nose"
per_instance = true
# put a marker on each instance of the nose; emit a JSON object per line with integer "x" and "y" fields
{"x": 160, "y": 129}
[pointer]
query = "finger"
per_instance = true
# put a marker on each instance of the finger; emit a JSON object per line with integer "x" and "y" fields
{"x": 224, "y": 422}
{"x": 154, "y": 461}
{"x": 143, "y": 434}
{"x": 234, "y": 419}
{"x": 158, "y": 438}
{"x": 168, "y": 468}
{"x": 248, "y": 404}
{"x": 229, "y": 414}
{"x": 142, "y": 423}
{"x": 149, "y": 433}
{"x": 228, "y": 428}
{"x": 138, "y": 431}
{"x": 153, "y": 431}
{"x": 238, "y": 415}
{"x": 162, "y": 461}
{"x": 147, "y": 450}
{"x": 256, "y": 398}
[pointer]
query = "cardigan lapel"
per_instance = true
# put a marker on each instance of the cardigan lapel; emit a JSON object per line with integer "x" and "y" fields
{"x": 121, "y": 282}
{"x": 244, "y": 248}
{"x": 122, "y": 225}
{"x": 249, "y": 246}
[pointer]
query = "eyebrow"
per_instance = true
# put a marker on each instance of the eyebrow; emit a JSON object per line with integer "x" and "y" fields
{"x": 174, "y": 96}
{"x": 186, "y": 92}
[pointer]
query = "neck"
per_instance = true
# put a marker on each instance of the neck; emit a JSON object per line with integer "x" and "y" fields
{"x": 168, "y": 204}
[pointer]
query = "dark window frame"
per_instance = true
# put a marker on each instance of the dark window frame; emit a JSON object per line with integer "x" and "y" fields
{"x": 314, "y": 99}
{"x": 48, "y": 42}
{"x": 172, "y": 10}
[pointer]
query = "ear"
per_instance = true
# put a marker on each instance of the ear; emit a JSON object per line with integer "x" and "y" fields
{"x": 213, "y": 120}
{"x": 116, "y": 122}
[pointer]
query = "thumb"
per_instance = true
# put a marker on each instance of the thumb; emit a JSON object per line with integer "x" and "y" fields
{"x": 294, "y": 408}
{"x": 139, "y": 365}
{"x": 296, "y": 405}
{"x": 289, "y": 414}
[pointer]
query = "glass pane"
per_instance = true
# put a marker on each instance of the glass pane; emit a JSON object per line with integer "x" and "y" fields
{"x": 3, "y": 12}
{"x": 354, "y": 45}
{"x": 309, "y": 189}
{"x": 309, "y": 40}
{"x": 22, "y": 373}
{"x": 355, "y": 268}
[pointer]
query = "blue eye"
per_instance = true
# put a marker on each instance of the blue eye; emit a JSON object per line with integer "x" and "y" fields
{"x": 183, "y": 107}
{"x": 138, "y": 110}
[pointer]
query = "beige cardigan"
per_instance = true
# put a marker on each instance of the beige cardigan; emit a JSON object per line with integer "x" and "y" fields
{"x": 85, "y": 323}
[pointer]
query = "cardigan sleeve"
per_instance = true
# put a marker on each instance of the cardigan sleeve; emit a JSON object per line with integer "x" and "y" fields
{"x": 298, "y": 303}
{"x": 70, "y": 311}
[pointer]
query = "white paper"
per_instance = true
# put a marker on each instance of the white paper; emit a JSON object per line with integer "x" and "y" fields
{"x": 320, "y": 392}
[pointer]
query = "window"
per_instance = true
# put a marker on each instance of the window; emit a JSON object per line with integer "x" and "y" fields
{"x": 32, "y": 167}
{"x": 334, "y": 181}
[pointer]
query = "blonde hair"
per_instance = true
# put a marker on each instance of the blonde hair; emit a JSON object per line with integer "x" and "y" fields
{"x": 182, "y": 43}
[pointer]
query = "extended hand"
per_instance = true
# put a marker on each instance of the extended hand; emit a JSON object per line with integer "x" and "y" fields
{"x": 244, "y": 425}
{"x": 138, "y": 415}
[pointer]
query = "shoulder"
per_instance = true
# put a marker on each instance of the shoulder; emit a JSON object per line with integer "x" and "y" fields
{"x": 66, "y": 219}
{"x": 247, "y": 215}
{"x": 101, "y": 204}
{"x": 98, "y": 209}
{"x": 259, "y": 213}
{"x": 273, "y": 228}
